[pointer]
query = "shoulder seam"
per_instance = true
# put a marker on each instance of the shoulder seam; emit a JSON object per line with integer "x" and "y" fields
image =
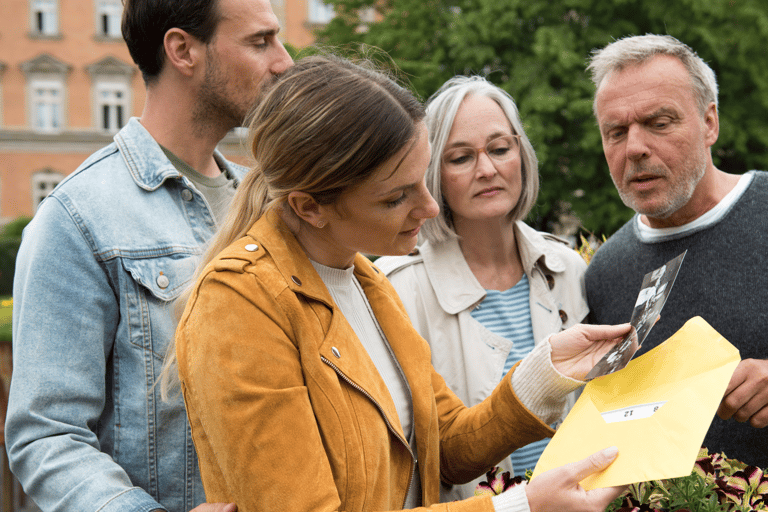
{"x": 401, "y": 263}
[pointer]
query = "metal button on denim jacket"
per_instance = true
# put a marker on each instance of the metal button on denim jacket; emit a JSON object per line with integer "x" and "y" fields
{"x": 98, "y": 270}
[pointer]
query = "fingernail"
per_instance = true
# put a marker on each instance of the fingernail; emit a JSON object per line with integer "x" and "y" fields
{"x": 610, "y": 452}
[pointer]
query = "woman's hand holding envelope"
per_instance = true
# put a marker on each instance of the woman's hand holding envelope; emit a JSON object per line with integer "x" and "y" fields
{"x": 559, "y": 490}
{"x": 576, "y": 350}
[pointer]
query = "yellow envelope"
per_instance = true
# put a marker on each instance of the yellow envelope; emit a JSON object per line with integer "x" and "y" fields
{"x": 657, "y": 410}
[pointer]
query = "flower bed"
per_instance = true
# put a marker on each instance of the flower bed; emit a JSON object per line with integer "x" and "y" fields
{"x": 716, "y": 484}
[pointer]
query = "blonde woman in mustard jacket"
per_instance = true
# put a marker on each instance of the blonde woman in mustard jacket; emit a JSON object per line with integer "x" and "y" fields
{"x": 483, "y": 287}
{"x": 306, "y": 386}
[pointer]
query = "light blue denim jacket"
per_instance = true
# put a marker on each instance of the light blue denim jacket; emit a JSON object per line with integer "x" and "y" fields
{"x": 98, "y": 269}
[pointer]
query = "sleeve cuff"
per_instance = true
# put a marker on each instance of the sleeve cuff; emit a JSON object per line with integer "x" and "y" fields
{"x": 540, "y": 387}
{"x": 512, "y": 500}
{"x": 134, "y": 499}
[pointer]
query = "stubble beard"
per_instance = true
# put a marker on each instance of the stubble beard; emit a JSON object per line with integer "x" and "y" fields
{"x": 214, "y": 108}
{"x": 678, "y": 194}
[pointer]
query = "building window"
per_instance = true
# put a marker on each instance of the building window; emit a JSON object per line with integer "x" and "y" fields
{"x": 43, "y": 182}
{"x": 47, "y": 97}
{"x": 112, "y": 105}
{"x": 45, "y": 17}
{"x": 108, "y": 15}
{"x": 320, "y": 12}
{"x": 111, "y": 93}
{"x": 46, "y": 92}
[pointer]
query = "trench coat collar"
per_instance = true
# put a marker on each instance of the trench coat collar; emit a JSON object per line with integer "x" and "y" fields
{"x": 455, "y": 285}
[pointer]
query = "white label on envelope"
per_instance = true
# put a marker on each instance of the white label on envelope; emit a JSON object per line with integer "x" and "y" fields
{"x": 633, "y": 412}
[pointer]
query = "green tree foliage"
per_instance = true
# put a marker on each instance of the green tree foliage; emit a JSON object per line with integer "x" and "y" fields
{"x": 537, "y": 51}
{"x": 10, "y": 239}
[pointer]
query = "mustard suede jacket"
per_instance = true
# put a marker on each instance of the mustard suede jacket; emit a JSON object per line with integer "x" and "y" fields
{"x": 288, "y": 412}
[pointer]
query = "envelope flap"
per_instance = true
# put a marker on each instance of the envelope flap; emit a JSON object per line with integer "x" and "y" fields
{"x": 698, "y": 341}
{"x": 694, "y": 349}
{"x": 689, "y": 377}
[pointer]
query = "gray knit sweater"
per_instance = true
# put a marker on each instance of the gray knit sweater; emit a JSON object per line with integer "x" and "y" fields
{"x": 723, "y": 279}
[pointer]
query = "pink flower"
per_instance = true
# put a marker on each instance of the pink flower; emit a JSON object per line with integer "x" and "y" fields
{"x": 496, "y": 482}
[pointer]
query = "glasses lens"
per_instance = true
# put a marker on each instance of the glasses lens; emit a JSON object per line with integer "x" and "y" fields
{"x": 502, "y": 149}
{"x": 464, "y": 158}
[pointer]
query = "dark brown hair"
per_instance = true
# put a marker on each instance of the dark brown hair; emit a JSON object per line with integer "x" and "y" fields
{"x": 145, "y": 23}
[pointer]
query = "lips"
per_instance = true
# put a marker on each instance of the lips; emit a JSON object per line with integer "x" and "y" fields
{"x": 644, "y": 181}
{"x": 412, "y": 232}
{"x": 488, "y": 191}
{"x": 642, "y": 172}
{"x": 644, "y": 177}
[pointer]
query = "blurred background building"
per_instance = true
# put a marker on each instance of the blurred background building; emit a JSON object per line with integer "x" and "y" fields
{"x": 68, "y": 84}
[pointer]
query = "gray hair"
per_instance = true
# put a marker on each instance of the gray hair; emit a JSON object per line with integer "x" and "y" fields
{"x": 441, "y": 112}
{"x": 639, "y": 49}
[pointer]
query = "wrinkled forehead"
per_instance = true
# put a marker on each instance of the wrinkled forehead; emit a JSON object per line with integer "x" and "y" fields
{"x": 647, "y": 83}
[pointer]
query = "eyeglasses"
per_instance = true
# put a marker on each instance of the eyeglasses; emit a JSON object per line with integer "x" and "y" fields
{"x": 463, "y": 159}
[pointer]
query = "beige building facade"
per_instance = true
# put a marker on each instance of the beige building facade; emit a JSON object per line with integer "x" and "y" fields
{"x": 68, "y": 84}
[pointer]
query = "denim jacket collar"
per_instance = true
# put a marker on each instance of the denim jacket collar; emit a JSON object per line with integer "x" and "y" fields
{"x": 146, "y": 160}
{"x": 456, "y": 286}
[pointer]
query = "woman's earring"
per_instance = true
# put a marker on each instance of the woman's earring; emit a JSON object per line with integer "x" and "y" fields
{"x": 321, "y": 224}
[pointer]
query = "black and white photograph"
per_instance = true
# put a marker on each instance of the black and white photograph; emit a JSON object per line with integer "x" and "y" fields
{"x": 653, "y": 294}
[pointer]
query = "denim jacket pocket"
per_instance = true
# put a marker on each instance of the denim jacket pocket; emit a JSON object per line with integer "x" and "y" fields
{"x": 152, "y": 285}
{"x": 164, "y": 277}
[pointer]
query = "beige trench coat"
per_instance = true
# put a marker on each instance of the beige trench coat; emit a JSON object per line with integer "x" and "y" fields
{"x": 439, "y": 292}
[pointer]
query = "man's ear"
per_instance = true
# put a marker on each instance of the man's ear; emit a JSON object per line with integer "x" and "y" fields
{"x": 306, "y": 208}
{"x": 712, "y": 125}
{"x": 182, "y": 50}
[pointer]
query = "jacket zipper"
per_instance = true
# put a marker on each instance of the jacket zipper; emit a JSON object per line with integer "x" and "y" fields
{"x": 386, "y": 420}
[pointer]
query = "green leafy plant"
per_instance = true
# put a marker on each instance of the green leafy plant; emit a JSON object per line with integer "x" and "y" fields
{"x": 716, "y": 484}
{"x": 6, "y": 309}
{"x": 10, "y": 239}
{"x": 588, "y": 247}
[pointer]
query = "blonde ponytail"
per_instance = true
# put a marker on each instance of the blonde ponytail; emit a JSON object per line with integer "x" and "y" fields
{"x": 250, "y": 202}
{"x": 323, "y": 128}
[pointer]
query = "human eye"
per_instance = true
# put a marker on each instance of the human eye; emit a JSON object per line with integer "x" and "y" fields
{"x": 392, "y": 203}
{"x": 616, "y": 133}
{"x": 261, "y": 40}
{"x": 660, "y": 122}
{"x": 499, "y": 147}
{"x": 459, "y": 158}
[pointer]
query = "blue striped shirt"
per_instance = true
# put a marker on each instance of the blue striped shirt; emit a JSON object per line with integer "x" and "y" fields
{"x": 508, "y": 314}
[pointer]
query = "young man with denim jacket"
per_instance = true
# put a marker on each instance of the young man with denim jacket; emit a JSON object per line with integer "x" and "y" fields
{"x": 109, "y": 250}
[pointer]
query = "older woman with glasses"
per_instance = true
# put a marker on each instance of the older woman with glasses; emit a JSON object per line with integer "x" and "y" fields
{"x": 483, "y": 287}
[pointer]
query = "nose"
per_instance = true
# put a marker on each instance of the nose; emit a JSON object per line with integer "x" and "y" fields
{"x": 636, "y": 147}
{"x": 282, "y": 60}
{"x": 484, "y": 166}
{"x": 427, "y": 207}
